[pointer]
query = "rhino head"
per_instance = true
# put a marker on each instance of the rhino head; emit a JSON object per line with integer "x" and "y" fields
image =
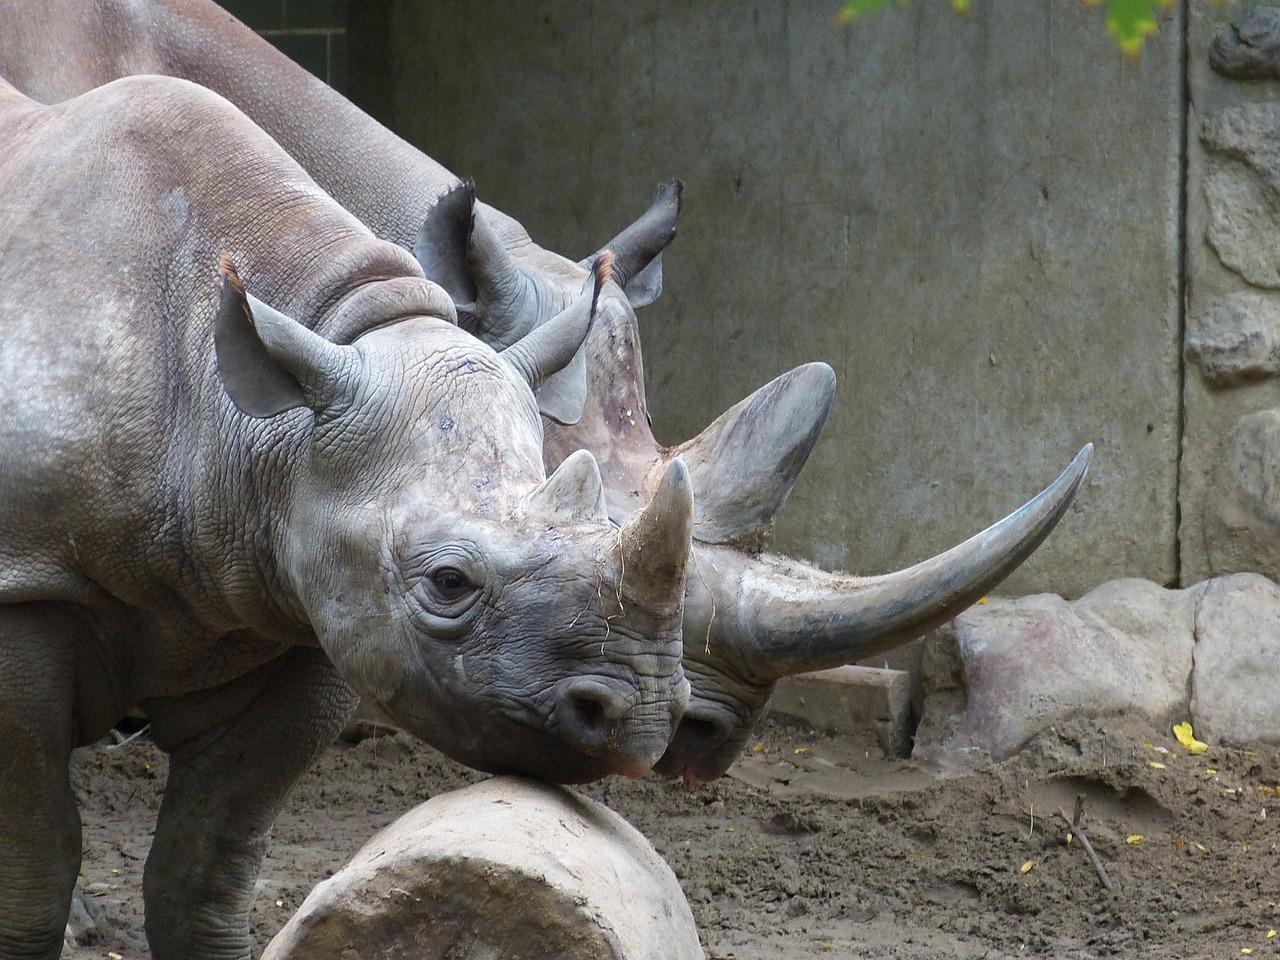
{"x": 750, "y": 619}
{"x": 488, "y": 608}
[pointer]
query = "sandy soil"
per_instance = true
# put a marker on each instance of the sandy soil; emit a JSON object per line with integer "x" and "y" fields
{"x": 816, "y": 846}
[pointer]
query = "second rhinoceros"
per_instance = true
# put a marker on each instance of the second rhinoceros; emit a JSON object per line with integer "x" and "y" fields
{"x": 236, "y": 504}
{"x": 504, "y": 284}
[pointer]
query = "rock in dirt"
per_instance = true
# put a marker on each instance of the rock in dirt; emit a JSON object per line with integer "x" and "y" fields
{"x": 1237, "y": 661}
{"x": 1003, "y": 671}
{"x": 507, "y": 867}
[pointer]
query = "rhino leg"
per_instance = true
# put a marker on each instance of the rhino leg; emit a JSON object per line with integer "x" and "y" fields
{"x": 39, "y": 823}
{"x": 233, "y": 757}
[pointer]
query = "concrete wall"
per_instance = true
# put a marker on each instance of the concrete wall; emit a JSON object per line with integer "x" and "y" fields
{"x": 974, "y": 220}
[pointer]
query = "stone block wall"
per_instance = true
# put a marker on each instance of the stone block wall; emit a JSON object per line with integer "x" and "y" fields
{"x": 1231, "y": 462}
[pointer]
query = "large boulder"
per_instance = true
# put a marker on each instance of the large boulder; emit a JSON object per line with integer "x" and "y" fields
{"x": 1003, "y": 671}
{"x": 1236, "y": 682}
{"x": 502, "y": 869}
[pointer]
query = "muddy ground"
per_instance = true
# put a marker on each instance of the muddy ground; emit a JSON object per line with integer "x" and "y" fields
{"x": 816, "y": 846}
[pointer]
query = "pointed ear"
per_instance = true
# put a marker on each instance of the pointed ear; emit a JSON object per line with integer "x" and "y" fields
{"x": 562, "y": 397}
{"x": 268, "y": 362}
{"x": 646, "y": 286}
{"x": 637, "y": 249}
{"x": 573, "y": 494}
{"x": 443, "y": 241}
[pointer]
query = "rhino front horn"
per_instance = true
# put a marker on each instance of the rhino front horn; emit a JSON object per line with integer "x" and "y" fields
{"x": 804, "y": 619}
{"x": 744, "y": 465}
{"x": 655, "y": 543}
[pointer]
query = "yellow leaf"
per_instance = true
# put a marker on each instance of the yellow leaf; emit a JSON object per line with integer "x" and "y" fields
{"x": 1026, "y": 867}
{"x": 1152, "y": 763}
{"x": 1270, "y": 934}
{"x": 1246, "y": 950}
{"x": 982, "y": 601}
{"x": 1187, "y": 738}
{"x": 802, "y": 749}
{"x": 758, "y": 748}
{"x": 1133, "y": 839}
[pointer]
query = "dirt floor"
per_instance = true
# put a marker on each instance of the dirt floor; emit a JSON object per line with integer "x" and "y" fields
{"x": 816, "y": 846}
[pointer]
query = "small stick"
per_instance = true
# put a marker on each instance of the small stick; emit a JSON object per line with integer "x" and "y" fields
{"x": 1074, "y": 824}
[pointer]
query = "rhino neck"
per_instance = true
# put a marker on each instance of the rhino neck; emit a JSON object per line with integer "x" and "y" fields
{"x": 368, "y": 169}
{"x": 54, "y": 52}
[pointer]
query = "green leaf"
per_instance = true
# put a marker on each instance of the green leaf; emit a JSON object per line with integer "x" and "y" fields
{"x": 853, "y": 9}
{"x": 1132, "y": 21}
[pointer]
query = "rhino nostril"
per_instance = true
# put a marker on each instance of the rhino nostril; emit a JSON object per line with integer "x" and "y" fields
{"x": 590, "y": 713}
{"x": 703, "y": 733}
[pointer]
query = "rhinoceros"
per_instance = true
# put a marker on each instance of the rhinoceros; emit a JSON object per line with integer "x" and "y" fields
{"x": 234, "y": 502}
{"x": 745, "y": 632}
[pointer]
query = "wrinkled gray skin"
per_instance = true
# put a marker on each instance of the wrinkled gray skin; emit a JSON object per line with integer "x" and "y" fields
{"x": 235, "y": 518}
{"x": 742, "y": 467}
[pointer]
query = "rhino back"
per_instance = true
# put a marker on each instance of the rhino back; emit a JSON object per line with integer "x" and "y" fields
{"x": 120, "y": 448}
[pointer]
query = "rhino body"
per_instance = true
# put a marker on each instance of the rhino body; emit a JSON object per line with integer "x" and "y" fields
{"x": 742, "y": 467}
{"x": 235, "y": 518}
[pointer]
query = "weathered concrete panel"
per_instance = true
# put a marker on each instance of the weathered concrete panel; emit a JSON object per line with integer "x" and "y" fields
{"x": 973, "y": 219}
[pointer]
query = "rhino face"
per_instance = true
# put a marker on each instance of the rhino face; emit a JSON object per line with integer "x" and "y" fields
{"x": 487, "y": 608}
{"x": 749, "y": 618}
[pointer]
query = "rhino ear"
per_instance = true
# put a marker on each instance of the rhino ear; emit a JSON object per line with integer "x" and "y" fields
{"x": 563, "y": 395}
{"x": 443, "y": 241}
{"x": 573, "y": 494}
{"x": 268, "y": 361}
{"x": 637, "y": 250}
{"x": 646, "y": 286}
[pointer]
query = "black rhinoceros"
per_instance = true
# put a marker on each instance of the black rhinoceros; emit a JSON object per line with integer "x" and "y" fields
{"x": 743, "y": 466}
{"x": 234, "y": 518}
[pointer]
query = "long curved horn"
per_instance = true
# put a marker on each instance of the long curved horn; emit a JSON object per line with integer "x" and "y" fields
{"x": 551, "y": 346}
{"x": 656, "y": 542}
{"x": 744, "y": 465}
{"x": 640, "y": 244}
{"x": 805, "y": 619}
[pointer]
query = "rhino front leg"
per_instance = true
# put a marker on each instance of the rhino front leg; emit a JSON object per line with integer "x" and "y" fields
{"x": 233, "y": 757}
{"x": 39, "y": 822}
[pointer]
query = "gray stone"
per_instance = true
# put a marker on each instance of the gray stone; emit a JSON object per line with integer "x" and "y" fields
{"x": 1242, "y": 508}
{"x": 1249, "y": 47}
{"x": 1242, "y": 188}
{"x": 1236, "y": 681}
{"x": 849, "y": 699}
{"x": 1005, "y": 670}
{"x": 1238, "y": 340}
{"x": 503, "y": 868}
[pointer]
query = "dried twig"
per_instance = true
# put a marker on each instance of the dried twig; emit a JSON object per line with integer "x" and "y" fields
{"x": 1077, "y": 830}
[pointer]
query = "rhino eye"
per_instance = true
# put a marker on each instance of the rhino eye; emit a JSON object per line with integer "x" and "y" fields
{"x": 451, "y": 585}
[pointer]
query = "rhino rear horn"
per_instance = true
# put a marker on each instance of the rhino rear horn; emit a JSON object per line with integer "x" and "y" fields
{"x": 551, "y": 347}
{"x": 443, "y": 241}
{"x": 269, "y": 362}
{"x": 573, "y": 494}
{"x": 637, "y": 250}
{"x": 805, "y": 619}
{"x": 656, "y": 542}
{"x": 744, "y": 465}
